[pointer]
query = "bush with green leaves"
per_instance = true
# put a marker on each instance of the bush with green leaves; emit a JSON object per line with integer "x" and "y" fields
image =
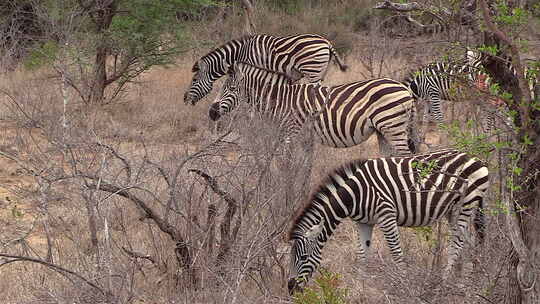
{"x": 325, "y": 291}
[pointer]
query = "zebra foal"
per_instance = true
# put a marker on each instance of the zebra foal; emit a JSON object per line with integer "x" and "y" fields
{"x": 390, "y": 192}
{"x": 297, "y": 56}
{"x": 342, "y": 116}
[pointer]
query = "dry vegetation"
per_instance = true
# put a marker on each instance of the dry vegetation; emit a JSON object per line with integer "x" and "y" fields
{"x": 64, "y": 201}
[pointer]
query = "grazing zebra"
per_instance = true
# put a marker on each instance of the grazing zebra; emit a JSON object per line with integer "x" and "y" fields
{"x": 495, "y": 107}
{"x": 390, "y": 192}
{"x": 297, "y": 56}
{"x": 499, "y": 106}
{"x": 343, "y": 115}
{"x": 433, "y": 83}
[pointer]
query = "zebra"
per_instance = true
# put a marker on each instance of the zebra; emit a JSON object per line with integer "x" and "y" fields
{"x": 342, "y": 115}
{"x": 498, "y": 106}
{"x": 434, "y": 82}
{"x": 298, "y": 56}
{"x": 390, "y": 192}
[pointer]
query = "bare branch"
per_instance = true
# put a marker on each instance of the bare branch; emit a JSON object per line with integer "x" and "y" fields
{"x": 149, "y": 212}
{"x": 214, "y": 186}
{"x": 227, "y": 239}
{"x": 55, "y": 267}
{"x": 122, "y": 159}
{"x": 249, "y": 27}
{"x": 138, "y": 255}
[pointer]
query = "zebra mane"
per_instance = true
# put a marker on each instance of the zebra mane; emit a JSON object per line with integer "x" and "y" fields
{"x": 233, "y": 41}
{"x": 343, "y": 170}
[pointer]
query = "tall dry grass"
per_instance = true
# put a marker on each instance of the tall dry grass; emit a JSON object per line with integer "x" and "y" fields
{"x": 66, "y": 222}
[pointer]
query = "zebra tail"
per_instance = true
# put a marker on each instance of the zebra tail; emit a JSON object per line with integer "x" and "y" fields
{"x": 343, "y": 67}
{"x": 480, "y": 222}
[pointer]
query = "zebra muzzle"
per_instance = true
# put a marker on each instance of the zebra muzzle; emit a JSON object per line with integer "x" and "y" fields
{"x": 213, "y": 112}
{"x": 190, "y": 98}
{"x": 294, "y": 286}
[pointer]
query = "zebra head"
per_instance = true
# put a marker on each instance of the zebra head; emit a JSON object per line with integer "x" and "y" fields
{"x": 229, "y": 95}
{"x": 305, "y": 257}
{"x": 201, "y": 84}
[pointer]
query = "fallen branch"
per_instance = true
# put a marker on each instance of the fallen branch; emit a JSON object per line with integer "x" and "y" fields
{"x": 441, "y": 14}
{"x": 400, "y": 7}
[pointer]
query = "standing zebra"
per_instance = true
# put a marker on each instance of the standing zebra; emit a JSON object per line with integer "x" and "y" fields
{"x": 390, "y": 192}
{"x": 297, "y": 56}
{"x": 498, "y": 105}
{"x": 433, "y": 83}
{"x": 343, "y": 115}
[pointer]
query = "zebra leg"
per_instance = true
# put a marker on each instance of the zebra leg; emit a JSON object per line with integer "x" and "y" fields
{"x": 389, "y": 227}
{"x": 435, "y": 108}
{"x": 364, "y": 233}
{"x": 459, "y": 235}
{"x": 488, "y": 123}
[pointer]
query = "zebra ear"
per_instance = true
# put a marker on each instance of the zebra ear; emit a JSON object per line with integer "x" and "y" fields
{"x": 313, "y": 233}
{"x": 195, "y": 67}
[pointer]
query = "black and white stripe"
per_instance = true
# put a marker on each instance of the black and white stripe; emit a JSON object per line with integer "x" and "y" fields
{"x": 435, "y": 82}
{"x": 342, "y": 116}
{"x": 297, "y": 56}
{"x": 390, "y": 192}
{"x": 500, "y": 112}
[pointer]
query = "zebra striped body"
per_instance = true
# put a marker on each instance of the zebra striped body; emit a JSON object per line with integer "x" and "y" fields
{"x": 390, "y": 192}
{"x": 434, "y": 82}
{"x": 297, "y": 56}
{"x": 343, "y": 115}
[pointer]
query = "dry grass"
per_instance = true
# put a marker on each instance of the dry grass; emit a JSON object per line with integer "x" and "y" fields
{"x": 153, "y": 123}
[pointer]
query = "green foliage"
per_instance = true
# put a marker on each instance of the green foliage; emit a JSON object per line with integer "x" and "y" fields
{"x": 512, "y": 19}
{"x": 535, "y": 10}
{"x": 466, "y": 140}
{"x": 16, "y": 212}
{"x": 425, "y": 168}
{"x": 325, "y": 291}
{"x": 498, "y": 207}
{"x": 426, "y": 234}
{"x": 489, "y": 49}
{"x": 150, "y": 31}
{"x": 289, "y": 7}
{"x": 43, "y": 54}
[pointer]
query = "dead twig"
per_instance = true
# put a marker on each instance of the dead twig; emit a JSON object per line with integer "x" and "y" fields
{"x": 59, "y": 269}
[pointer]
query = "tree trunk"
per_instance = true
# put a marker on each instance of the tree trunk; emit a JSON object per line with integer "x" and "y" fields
{"x": 524, "y": 198}
{"x": 249, "y": 26}
{"x": 97, "y": 90}
{"x": 102, "y": 19}
{"x": 524, "y": 265}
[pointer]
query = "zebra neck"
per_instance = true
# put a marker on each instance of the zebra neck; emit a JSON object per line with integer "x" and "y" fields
{"x": 321, "y": 212}
{"x": 225, "y": 56}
